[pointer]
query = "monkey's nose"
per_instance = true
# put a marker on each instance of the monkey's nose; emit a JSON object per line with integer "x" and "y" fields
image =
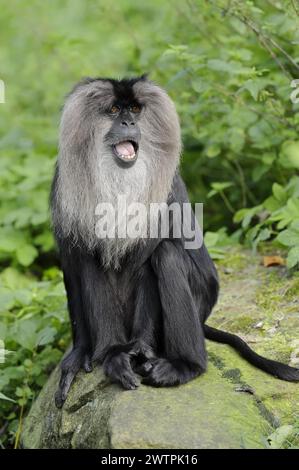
{"x": 127, "y": 123}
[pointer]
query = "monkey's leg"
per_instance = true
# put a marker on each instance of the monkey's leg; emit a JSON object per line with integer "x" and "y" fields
{"x": 147, "y": 323}
{"x": 106, "y": 325}
{"x": 184, "y": 349}
{"x": 80, "y": 355}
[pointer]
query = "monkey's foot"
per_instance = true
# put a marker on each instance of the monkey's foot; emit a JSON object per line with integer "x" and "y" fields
{"x": 166, "y": 373}
{"x": 117, "y": 366}
{"x": 143, "y": 368}
{"x": 142, "y": 357}
{"x": 70, "y": 366}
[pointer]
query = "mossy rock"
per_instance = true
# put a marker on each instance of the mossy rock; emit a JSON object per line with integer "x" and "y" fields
{"x": 233, "y": 405}
{"x": 205, "y": 413}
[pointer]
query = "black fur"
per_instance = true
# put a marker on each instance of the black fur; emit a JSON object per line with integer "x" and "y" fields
{"x": 149, "y": 317}
{"x": 123, "y": 89}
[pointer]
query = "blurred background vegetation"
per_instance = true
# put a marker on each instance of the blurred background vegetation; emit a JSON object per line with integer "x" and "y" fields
{"x": 227, "y": 64}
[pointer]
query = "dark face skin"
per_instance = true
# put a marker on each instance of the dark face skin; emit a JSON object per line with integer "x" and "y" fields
{"x": 124, "y": 130}
{"x": 124, "y": 134}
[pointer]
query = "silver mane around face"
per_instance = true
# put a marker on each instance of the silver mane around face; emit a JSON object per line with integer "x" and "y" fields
{"x": 87, "y": 173}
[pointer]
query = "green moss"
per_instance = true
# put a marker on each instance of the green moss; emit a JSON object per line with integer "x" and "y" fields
{"x": 233, "y": 374}
{"x": 240, "y": 323}
{"x": 293, "y": 288}
{"x": 234, "y": 259}
{"x": 277, "y": 289}
{"x": 216, "y": 360}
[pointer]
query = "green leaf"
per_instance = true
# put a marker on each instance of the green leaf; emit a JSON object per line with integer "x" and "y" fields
{"x": 13, "y": 279}
{"x": 272, "y": 204}
{"x": 246, "y": 215}
{"x": 293, "y": 257}
{"x": 23, "y": 296}
{"x": 25, "y": 333}
{"x": 218, "y": 187}
{"x": 219, "y": 65}
{"x": 26, "y": 254}
{"x": 289, "y": 155}
{"x": 231, "y": 67}
{"x": 236, "y": 139}
{"x": 279, "y": 192}
{"x": 4, "y": 397}
{"x": 254, "y": 87}
{"x": 45, "y": 241}
{"x": 263, "y": 235}
{"x": 258, "y": 172}
{"x": 10, "y": 240}
{"x": 212, "y": 151}
{"x": 7, "y": 298}
{"x": 211, "y": 238}
{"x": 288, "y": 237}
{"x": 45, "y": 336}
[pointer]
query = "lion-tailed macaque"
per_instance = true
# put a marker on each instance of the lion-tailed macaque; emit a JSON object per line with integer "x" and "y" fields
{"x": 138, "y": 305}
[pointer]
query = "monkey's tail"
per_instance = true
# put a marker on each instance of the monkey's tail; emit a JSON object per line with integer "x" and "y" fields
{"x": 282, "y": 371}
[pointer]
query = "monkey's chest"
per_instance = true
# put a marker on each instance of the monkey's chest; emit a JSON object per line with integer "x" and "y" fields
{"x": 123, "y": 288}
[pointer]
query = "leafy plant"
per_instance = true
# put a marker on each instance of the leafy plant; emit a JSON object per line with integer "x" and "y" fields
{"x": 277, "y": 218}
{"x": 34, "y": 328}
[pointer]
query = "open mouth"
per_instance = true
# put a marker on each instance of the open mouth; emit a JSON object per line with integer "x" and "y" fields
{"x": 126, "y": 151}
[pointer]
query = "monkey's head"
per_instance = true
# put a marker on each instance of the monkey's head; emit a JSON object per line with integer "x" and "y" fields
{"x": 126, "y": 118}
{"x": 116, "y": 137}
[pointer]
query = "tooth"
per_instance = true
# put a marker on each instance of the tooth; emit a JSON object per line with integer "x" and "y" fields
{"x": 128, "y": 157}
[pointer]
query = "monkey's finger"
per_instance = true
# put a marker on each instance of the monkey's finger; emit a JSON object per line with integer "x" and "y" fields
{"x": 58, "y": 399}
{"x": 64, "y": 386}
{"x": 87, "y": 364}
{"x": 129, "y": 381}
{"x": 67, "y": 383}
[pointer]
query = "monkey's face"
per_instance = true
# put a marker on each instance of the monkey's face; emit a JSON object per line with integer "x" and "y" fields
{"x": 123, "y": 121}
{"x": 124, "y": 135}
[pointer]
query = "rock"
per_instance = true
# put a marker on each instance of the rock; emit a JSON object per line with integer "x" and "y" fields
{"x": 233, "y": 405}
{"x": 205, "y": 413}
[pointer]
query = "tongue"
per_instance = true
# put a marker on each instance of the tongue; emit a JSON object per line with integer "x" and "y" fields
{"x": 125, "y": 148}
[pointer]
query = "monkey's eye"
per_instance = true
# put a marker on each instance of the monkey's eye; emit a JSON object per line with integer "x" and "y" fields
{"x": 115, "y": 109}
{"x": 135, "y": 108}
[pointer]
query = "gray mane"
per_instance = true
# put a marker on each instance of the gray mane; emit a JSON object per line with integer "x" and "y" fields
{"x": 88, "y": 175}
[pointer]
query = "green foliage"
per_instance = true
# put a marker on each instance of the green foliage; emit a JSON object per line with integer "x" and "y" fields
{"x": 228, "y": 66}
{"x": 34, "y": 323}
{"x": 277, "y": 218}
{"x": 284, "y": 437}
{"x": 218, "y": 242}
{"x": 239, "y": 124}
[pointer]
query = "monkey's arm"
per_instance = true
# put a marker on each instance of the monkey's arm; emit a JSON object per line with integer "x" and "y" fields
{"x": 80, "y": 354}
{"x": 183, "y": 341}
{"x": 203, "y": 275}
{"x": 97, "y": 323}
{"x": 147, "y": 322}
{"x": 105, "y": 317}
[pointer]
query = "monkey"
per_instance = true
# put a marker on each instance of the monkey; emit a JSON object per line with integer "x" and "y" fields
{"x": 138, "y": 305}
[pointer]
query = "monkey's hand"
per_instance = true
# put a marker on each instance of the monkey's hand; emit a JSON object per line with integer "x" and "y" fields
{"x": 77, "y": 359}
{"x": 143, "y": 357}
{"x": 117, "y": 366}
